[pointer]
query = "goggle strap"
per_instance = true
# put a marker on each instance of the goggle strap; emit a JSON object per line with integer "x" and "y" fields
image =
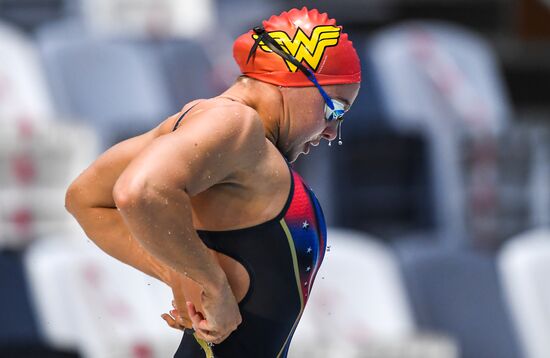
{"x": 277, "y": 48}
{"x": 326, "y": 97}
{"x": 255, "y": 46}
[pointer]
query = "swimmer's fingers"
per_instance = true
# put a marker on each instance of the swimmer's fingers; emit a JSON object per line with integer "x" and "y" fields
{"x": 180, "y": 316}
{"x": 202, "y": 328}
{"x": 175, "y": 320}
{"x": 171, "y": 321}
{"x": 210, "y": 336}
{"x": 196, "y": 317}
{"x": 200, "y": 325}
{"x": 176, "y": 315}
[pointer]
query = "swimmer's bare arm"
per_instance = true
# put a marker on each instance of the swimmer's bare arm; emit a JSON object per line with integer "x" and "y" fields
{"x": 154, "y": 193}
{"x": 90, "y": 200}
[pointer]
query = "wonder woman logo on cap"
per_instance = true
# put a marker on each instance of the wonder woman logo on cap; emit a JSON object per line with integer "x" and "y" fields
{"x": 305, "y": 48}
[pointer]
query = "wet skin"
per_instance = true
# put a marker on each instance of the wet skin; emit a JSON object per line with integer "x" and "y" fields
{"x": 222, "y": 169}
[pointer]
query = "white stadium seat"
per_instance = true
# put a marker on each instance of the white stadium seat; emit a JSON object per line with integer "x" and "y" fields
{"x": 88, "y": 301}
{"x": 524, "y": 264}
{"x": 358, "y": 306}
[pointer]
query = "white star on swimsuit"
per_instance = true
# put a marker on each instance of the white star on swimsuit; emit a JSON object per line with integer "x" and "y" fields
{"x": 308, "y": 268}
{"x": 309, "y": 249}
{"x": 305, "y": 225}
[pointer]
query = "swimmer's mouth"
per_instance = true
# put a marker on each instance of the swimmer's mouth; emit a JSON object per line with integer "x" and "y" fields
{"x": 308, "y": 145}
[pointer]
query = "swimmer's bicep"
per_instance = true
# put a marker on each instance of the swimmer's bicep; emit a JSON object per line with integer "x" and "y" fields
{"x": 95, "y": 184}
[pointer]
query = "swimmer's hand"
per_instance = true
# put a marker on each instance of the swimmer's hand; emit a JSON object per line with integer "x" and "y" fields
{"x": 183, "y": 289}
{"x": 176, "y": 320}
{"x": 221, "y": 315}
{"x": 213, "y": 316}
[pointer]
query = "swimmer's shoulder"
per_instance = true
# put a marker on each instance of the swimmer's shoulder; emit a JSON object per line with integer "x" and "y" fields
{"x": 231, "y": 111}
{"x": 168, "y": 124}
{"x": 237, "y": 127}
{"x": 236, "y": 118}
{"x": 240, "y": 124}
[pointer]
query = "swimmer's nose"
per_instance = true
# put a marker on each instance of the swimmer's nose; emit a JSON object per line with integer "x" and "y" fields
{"x": 330, "y": 132}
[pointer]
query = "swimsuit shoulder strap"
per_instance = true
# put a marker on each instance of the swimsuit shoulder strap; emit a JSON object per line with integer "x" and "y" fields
{"x": 181, "y": 117}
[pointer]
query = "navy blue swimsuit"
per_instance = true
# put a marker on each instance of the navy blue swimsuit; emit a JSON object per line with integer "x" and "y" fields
{"x": 282, "y": 257}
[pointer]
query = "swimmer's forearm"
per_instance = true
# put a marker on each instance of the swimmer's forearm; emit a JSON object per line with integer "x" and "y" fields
{"x": 162, "y": 222}
{"x": 106, "y": 228}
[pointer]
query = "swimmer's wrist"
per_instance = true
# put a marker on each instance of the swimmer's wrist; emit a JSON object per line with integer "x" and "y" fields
{"x": 216, "y": 285}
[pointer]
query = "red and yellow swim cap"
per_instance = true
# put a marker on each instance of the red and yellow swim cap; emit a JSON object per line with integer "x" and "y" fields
{"x": 312, "y": 38}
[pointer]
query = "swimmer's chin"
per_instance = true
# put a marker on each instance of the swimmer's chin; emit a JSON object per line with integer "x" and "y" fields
{"x": 296, "y": 156}
{"x": 290, "y": 157}
{"x": 293, "y": 155}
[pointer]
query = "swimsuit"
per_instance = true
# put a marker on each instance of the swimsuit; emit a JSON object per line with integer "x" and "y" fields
{"x": 282, "y": 257}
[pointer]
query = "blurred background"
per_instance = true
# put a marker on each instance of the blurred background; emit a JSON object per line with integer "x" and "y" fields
{"x": 438, "y": 202}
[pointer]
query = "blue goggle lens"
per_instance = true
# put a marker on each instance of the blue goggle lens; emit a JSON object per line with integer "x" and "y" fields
{"x": 335, "y": 113}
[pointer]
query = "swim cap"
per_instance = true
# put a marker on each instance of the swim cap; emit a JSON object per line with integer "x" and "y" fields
{"x": 312, "y": 38}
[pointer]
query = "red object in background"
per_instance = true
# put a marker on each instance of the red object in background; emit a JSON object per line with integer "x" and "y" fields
{"x": 92, "y": 275}
{"x": 23, "y": 167}
{"x": 118, "y": 309}
{"x": 142, "y": 350}
{"x": 25, "y": 126}
{"x": 22, "y": 219}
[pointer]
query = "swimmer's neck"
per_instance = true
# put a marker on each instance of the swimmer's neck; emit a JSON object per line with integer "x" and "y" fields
{"x": 266, "y": 99}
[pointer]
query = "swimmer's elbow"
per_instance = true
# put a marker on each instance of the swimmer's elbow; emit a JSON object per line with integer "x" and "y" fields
{"x": 127, "y": 193}
{"x": 130, "y": 192}
{"x": 74, "y": 202}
